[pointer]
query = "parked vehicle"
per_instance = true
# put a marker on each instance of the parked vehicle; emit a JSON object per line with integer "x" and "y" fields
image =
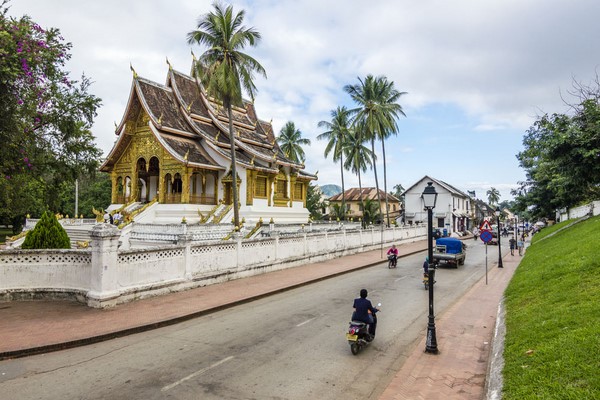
{"x": 358, "y": 335}
{"x": 450, "y": 251}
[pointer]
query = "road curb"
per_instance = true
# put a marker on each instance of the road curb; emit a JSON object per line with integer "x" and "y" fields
{"x": 172, "y": 321}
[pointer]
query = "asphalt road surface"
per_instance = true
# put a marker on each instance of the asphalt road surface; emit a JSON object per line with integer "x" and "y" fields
{"x": 287, "y": 346}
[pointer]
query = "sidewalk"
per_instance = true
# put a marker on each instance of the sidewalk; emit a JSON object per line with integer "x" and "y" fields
{"x": 464, "y": 332}
{"x": 464, "y": 336}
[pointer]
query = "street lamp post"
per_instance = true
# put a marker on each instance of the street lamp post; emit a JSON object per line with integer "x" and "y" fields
{"x": 429, "y": 198}
{"x": 499, "y": 249}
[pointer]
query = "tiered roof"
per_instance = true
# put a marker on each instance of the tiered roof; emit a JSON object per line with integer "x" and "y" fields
{"x": 185, "y": 121}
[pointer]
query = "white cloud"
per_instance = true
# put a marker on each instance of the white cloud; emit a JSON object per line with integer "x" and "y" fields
{"x": 495, "y": 64}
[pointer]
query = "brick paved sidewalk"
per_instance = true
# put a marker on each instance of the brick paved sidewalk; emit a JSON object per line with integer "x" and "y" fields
{"x": 40, "y": 326}
{"x": 464, "y": 336}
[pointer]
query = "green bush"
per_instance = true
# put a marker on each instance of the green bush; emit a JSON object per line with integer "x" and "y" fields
{"x": 47, "y": 234}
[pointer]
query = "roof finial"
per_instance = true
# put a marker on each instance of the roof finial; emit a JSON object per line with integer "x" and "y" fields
{"x": 193, "y": 56}
{"x": 135, "y": 75}
{"x": 185, "y": 158}
{"x": 168, "y": 63}
{"x": 160, "y": 119}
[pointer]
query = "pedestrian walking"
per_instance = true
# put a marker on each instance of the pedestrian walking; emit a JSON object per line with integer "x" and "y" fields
{"x": 512, "y": 246}
{"x": 521, "y": 245}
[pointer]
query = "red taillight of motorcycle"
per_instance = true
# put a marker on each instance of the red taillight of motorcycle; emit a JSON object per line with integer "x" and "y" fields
{"x": 352, "y": 331}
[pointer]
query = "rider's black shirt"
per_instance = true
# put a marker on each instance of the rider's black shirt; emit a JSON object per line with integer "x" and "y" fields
{"x": 362, "y": 307}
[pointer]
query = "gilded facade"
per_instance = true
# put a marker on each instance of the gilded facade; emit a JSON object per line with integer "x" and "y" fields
{"x": 173, "y": 144}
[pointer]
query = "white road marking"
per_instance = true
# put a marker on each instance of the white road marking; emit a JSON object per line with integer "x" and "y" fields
{"x": 305, "y": 322}
{"x": 200, "y": 372}
{"x": 399, "y": 279}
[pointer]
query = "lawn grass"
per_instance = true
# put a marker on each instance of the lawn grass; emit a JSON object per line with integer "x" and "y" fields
{"x": 552, "y": 346}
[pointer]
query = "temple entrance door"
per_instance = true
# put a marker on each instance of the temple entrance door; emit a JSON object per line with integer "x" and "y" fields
{"x": 228, "y": 194}
{"x": 153, "y": 176}
{"x": 142, "y": 179}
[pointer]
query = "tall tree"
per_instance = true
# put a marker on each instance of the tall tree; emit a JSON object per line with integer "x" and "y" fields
{"x": 337, "y": 130}
{"x": 377, "y": 112}
{"x": 358, "y": 158}
{"x": 291, "y": 141}
{"x": 224, "y": 70}
{"x": 314, "y": 202}
{"x": 560, "y": 156}
{"x": 45, "y": 118}
{"x": 493, "y": 196}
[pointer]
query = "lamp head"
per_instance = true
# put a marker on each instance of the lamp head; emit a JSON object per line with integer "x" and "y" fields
{"x": 429, "y": 196}
{"x": 498, "y": 211}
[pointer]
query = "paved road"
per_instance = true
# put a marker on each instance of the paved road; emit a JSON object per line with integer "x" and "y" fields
{"x": 287, "y": 346}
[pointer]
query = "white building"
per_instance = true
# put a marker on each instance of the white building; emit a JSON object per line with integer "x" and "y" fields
{"x": 452, "y": 208}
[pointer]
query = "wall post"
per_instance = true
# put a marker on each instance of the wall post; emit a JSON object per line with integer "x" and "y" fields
{"x": 103, "y": 286}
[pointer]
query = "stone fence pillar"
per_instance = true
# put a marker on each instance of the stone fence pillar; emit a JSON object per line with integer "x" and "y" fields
{"x": 186, "y": 239}
{"x": 103, "y": 286}
{"x": 275, "y": 235}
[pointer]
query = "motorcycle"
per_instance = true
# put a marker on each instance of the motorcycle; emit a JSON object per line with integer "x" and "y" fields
{"x": 358, "y": 335}
{"x": 392, "y": 261}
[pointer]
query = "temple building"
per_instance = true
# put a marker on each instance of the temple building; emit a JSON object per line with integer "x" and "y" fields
{"x": 173, "y": 149}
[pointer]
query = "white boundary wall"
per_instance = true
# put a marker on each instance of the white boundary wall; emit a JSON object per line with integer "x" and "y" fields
{"x": 592, "y": 208}
{"x": 104, "y": 276}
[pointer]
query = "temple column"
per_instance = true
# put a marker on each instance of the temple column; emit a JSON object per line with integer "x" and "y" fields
{"x": 250, "y": 178}
{"x": 292, "y": 189}
{"x": 161, "y": 189}
{"x": 133, "y": 193}
{"x": 114, "y": 189}
{"x": 185, "y": 184}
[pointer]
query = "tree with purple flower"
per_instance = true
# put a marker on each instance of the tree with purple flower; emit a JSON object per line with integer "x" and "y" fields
{"x": 45, "y": 118}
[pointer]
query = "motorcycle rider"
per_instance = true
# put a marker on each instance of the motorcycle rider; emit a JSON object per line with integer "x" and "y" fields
{"x": 393, "y": 251}
{"x": 365, "y": 312}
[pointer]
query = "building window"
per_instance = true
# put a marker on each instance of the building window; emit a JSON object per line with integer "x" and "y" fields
{"x": 440, "y": 222}
{"x": 281, "y": 191}
{"x": 261, "y": 186}
{"x": 298, "y": 191}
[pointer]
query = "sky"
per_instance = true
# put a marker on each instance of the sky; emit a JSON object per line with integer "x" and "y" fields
{"x": 477, "y": 74}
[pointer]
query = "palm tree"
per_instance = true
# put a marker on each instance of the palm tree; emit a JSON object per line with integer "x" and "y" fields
{"x": 493, "y": 196}
{"x": 291, "y": 141}
{"x": 336, "y": 132}
{"x": 358, "y": 158}
{"x": 377, "y": 112}
{"x": 224, "y": 70}
{"x": 370, "y": 211}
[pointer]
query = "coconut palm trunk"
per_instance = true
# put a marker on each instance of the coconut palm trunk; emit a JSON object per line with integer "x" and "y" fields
{"x": 376, "y": 180}
{"x": 387, "y": 208}
{"x": 343, "y": 188}
{"x": 234, "y": 191}
{"x": 362, "y": 204}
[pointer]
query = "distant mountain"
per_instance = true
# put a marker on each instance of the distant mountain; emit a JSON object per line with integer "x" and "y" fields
{"x": 330, "y": 190}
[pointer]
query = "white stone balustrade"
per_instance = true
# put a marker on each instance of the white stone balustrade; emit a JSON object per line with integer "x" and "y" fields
{"x": 106, "y": 276}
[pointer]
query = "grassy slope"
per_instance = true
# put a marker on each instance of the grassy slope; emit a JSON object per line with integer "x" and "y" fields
{"x": 552, "y": 348}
